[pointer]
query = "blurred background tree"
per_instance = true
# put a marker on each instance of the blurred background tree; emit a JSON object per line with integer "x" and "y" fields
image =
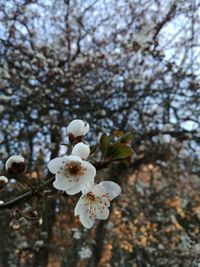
{"x": 125, "y": 65}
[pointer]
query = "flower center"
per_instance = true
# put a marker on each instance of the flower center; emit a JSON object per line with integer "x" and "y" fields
{"x": 91, "y": 196}
{"x": 74, "y": 169}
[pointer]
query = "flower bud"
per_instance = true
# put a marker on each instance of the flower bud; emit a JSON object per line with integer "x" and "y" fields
{"x": 3, "y": 181}
{"x": 1, "y": 202}
{"x": 15, "y": 164}
{"x": 77, "y": 128}
{"x": 81, "y": 150}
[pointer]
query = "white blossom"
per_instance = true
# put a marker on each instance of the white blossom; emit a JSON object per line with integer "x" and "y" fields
{"x": 94, "y": 202}
{"x": 1, "y": 202}
{"x": 72, "y": 173}
{"x": 77, "y": 128}
{"x": 81, "y": 150}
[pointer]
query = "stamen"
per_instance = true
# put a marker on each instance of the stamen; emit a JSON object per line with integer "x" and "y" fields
{"x": 91, "y": 196}
{"x": 74, "y": 169}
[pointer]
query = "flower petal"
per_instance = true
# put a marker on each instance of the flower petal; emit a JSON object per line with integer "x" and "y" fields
{"x": 55, "y": 164}
{"x": 87, "y": 216}
{"x": 80, "y": 183}
{"x": 74, "y": 127}
{"x": 86, "y": 128}
{"x": 75, "y": 189}
{"x": 81, "y": 150}
{"x": 79, "y": 206}
{"x": 102, "y": 212}
{"x": 87, "y": 179}
{"x": 111, "y": 188}
{"x": 98, "y": 190}
{"x": 86, "y": 188}
{"x": 60, "y": 183}
{"x": 106, "y": 200}
{"x": 73, "y": 158}
{"x": 90, "y": 171}
{"x": 77, "y": 128}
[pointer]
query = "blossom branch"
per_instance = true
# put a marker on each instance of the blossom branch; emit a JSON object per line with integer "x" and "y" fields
{"x": 29, "y": 194}
{"x": 34, "y": 191}
{"x": 74, "y": 173}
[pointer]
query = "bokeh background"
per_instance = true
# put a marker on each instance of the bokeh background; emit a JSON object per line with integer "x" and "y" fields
{"x": 121, "y": 65}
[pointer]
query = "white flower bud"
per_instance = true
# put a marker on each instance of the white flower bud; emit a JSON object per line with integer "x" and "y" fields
{"x": 1, "y": 202}
{"x": 3, "y": 179}
{"x": 15, "y": 164}
{"x": 77, "y": 128}
{"x": 81, "y": 150}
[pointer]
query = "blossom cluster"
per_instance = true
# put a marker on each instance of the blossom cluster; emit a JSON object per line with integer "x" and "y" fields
{"x": 75, "y": 174}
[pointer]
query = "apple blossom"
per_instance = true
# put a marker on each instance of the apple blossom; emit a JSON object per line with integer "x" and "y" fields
{"x": 15, "y": 164}
{"x": 77, "y": 128}
{"x": 94, "y": 202}
{"x": 72, "y": 173}
{"x": 81, "y": 150}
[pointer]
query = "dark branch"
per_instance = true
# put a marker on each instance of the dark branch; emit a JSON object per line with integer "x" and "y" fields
{"x": 29, "y": 194}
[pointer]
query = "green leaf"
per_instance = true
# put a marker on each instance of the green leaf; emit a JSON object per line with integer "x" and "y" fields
{"x": 119, "y": 151}
{"x": 127, "y": 138}
{"x": 104, "y": 144}
{"x": 93, "y": 149}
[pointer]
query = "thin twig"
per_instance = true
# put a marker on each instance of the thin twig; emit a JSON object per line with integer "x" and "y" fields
{"x": 30, "y": 193}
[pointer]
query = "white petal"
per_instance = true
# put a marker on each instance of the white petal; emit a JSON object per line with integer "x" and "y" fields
{"x": 77, "y": 128}
{"x": 89, "y": 174}
{"x": 102, "y": 212}
{"x": 111, "y": 188}
{"x": 75, "y": 189}
{"x": 86, "y": 188}
{"x": 90, "y": 169}
{"x": 60, "y": 183}
{"x": 13, "y": 159}
{"x": 81, "y": 183}
{"x": 87, "y": 218}
{"x": 73, "y": 158}
{"x": 106, "y": 200}
{"x": 98, "y": 190}
{"x": 81, "y": 150}
{"x": 86, "y": 128}
{"x": 4, "y": 179}
{"x": 55, "y": 164}
{"x": 79, "y": 206}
